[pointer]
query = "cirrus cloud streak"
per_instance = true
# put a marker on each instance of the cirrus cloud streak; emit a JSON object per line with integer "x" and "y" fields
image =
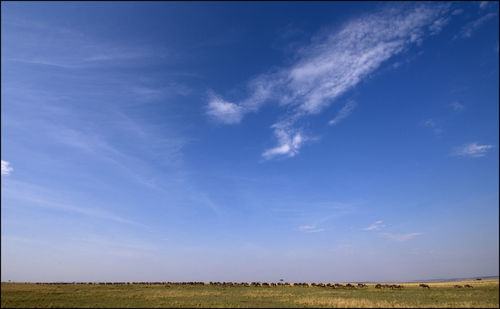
{"x": 472, "y": 150}
{"x": 6, "y": 168}
{"x": 335, "y": 62}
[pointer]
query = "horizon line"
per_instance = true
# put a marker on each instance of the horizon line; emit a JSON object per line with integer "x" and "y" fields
{"x": 245, "y": 282}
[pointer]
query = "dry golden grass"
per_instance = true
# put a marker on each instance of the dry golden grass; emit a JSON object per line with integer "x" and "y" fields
{"x": 268, "y": 293}
{"x": 336, "y": 302}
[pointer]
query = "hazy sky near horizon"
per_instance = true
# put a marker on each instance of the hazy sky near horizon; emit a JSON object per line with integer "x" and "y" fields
{"x": 216, "y": 141}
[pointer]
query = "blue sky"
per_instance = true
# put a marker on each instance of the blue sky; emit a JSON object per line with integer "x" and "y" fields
{"x": 247, "y": 141}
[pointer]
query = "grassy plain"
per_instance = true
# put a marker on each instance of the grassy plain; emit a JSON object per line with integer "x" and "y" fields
{"x": 484, "y": 294}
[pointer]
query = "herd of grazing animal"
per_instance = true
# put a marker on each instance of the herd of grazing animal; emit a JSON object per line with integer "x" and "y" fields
{"x": 260, "y": 284}
{"x": 458, "y": 286}
{"x": 388, "y": 286}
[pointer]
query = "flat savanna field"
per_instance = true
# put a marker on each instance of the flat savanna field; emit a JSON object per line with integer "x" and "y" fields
{"x": 483, "y": 294}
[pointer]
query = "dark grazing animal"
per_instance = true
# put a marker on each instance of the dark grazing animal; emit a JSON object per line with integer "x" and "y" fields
{"x": 423, "y": 285}
{"x": 388, "y": 286}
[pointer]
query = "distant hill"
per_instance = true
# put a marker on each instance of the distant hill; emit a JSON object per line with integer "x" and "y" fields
{"x": 439, "y": 280}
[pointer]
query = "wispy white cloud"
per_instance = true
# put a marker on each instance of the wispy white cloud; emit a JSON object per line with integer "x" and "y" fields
{"x": 433, "y": 125}
{"x": 343, "y": 113}
{"x": 290, "y": 142}
{"x": 400, "y": 237}
{"x": 483, "y": 4}
{"x": 438, "y": 25}
{"x": 472, "y": 150}
{"x": 469, "y": 28}
{"x": 33, "y": 42}
{"x": 223, "y": 111}
{"x": 6, "y": 168}
{"x": 39, "y": 196}
{"x": 334, "y": 63}
{"x": 457, "y": 106}
{"x": 375, "y": 226}
{"x": 84, "y": 133}
{"x": 310, "y": 229}
{"x": 378, "y": 225}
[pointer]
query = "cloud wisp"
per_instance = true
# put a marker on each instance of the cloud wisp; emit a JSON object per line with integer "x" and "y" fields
{"x": 457, "y": 106}
{"x": 483, "y": 4}
{"x": 473, "y": 150}
{"x": 310, "y": 229}
{"x": 468, "y": 29}
{"x": 439, "y": 24}
{"x": 6, "y": 168}
{"x": 375, "y": 226}
{"x": 79, "y": 51}
{"x": 289, "y": 142}
{"x": 225, "y": 112}
{"x": 343, "y": 113}
{"x": 433, "y": 125}
{"x": 38, "y": 196}
{"x": 334, "y": 63}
